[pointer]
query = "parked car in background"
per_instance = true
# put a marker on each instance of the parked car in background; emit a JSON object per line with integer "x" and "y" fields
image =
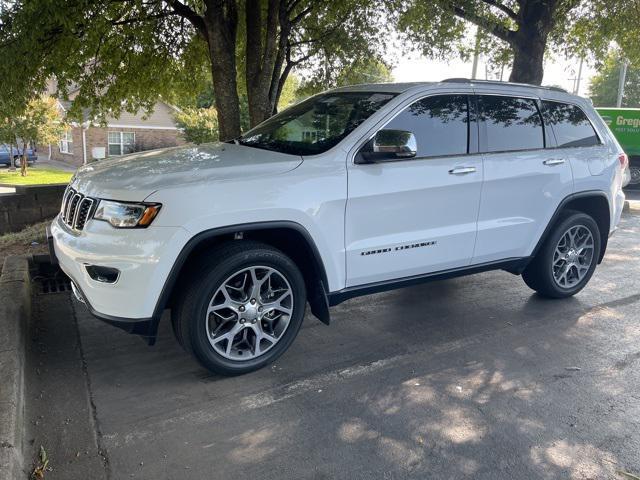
{"x": 9, "y": 156}
{"x": 354, "y": 191}
{"x": 624, "y": 123}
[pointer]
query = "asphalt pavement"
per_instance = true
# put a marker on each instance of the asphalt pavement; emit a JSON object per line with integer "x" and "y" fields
{"x": 474, "y": 377}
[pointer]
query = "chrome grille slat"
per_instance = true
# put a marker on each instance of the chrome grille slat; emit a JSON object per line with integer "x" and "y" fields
{"x": 76, "y": 209}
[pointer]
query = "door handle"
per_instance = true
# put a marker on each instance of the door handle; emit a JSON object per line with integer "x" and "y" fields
{"x": 554, "y": 161}
{"x": 462, "y": 170}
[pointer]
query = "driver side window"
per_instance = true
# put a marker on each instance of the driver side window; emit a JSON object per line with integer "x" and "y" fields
{"x": 439, "y": 123}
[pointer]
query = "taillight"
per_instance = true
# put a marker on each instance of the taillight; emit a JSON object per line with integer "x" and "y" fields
{"x": 624, "y": 160}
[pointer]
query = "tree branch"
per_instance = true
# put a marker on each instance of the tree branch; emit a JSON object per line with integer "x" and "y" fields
{"x": 128, "y": 21}
{"x": 493, "y": 28}
{"x": 301, "y": 15}
{"x": 503, "y": 8}
{"x": 187, "y": 12}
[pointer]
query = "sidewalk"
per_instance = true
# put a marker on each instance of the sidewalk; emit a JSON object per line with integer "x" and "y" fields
{"x": 43, "y": 162}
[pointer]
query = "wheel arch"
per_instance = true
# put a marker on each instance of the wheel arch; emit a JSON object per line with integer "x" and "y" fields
{"x": 594, "y": 203}
{"x": 290, "y": 237}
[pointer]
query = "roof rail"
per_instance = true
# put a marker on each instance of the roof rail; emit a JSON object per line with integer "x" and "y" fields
{"x": 500, "y": 82}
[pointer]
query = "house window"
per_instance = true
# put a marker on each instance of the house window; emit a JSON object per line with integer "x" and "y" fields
{"x": 66, "y": 142}
{"x": 121, "y": 143}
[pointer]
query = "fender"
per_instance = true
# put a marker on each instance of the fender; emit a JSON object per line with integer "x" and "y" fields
{"x": 556, "y": 215}
{"x": 317, "y": 296}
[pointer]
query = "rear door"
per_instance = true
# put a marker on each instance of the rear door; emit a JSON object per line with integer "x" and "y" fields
{"x": 418, "y": 215}
{"x": 523, "y": 181}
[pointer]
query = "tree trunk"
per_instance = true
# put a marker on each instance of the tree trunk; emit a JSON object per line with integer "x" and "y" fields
{"x": 25, "y": 158}
{"x": 221, "y": 19}
{"x": 536, "y": 18}
{"x": 12, "y": 165}
{"x": 264, "y": 58}
{"x": 528, "y": 63}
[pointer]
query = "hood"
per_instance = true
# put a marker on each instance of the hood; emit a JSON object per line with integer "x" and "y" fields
{"x": 135, "y": 177}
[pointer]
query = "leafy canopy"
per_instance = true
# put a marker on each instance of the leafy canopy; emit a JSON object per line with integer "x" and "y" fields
{"x": 604, "y": 85}
{"x": 110, "y": 56}
{"x": 199, "y": 125}
{"x": 584, "y": 28}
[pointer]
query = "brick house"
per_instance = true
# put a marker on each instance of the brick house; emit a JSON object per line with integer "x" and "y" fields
{"x": 86, "y": 142}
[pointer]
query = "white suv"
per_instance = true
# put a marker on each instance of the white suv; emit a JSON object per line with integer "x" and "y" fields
{"x": 353, "y": 191}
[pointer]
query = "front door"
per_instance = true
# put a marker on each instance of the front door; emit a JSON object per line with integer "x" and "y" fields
{"x": 415, "y": 216}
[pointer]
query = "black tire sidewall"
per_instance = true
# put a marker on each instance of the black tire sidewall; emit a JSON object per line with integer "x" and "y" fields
{"x": 211, "y": 281}
{"x": 549, "y": 248}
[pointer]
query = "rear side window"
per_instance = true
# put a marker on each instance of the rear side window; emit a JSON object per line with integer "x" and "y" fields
{"x": 440, "y": 125}
{"x": 510, "y": 123}
{"x": 571, "y": 126}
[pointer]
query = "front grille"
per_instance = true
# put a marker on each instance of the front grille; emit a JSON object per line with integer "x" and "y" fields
{"x": 76, "y": 209}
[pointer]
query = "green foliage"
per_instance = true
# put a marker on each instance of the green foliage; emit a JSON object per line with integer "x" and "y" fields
{"x": 199, "y": 125}
{"x": 363, "y": 70}
{"x": 118, "y": 55}
{"x": 40, "y": 123}
{"x": 604, "y": 85}
{"x": 582, "y": 28}
{"x": 111, "y": 57}
{"x": 289, "y": 94}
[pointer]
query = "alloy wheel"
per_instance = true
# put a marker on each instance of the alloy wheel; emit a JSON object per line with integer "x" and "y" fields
{"x": 573, "y": 256}
{"x": 249, "y": 313}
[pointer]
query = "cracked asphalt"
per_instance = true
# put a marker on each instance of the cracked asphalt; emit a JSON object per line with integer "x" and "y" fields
{"x": 475, "y": 377}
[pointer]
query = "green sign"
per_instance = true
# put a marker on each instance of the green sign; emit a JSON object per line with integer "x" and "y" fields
{"x": 625, "y": 126}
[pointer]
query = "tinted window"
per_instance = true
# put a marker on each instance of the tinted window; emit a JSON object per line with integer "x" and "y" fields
{"x": 570, "y": 125}
{"x": 440, "y": 124}
{"x": 511, "y": 123}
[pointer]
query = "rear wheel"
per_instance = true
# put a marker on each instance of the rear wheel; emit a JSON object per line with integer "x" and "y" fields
{"x": 17, "y": 162}
{"x": 241, "y": 308}
{"x": 635, "y": 176}
{"x": 567, "y": 259}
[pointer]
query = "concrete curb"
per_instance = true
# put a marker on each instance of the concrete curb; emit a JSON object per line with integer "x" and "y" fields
{"x": 15, "y": 311}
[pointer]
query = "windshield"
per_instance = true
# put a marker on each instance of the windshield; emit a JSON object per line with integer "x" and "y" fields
{"x": 317, "y": 124}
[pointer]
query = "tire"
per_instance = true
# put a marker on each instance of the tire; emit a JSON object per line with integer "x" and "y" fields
{"x": 17, "y": 162}
{"x": 634, "y": 171}
{"x": 223, "y": 340}
{"x": 548, "y": 274}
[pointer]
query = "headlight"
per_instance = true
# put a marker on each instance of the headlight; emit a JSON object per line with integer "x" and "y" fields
{"x": 127, "y": 215}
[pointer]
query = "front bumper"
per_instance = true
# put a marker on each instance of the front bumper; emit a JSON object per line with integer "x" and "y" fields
{"x": 144, "y": 258}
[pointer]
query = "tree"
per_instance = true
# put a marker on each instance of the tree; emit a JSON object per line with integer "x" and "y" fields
{"x": 122, "y": 55}
{"x": 527, "y": 27}
{"x": 40, "y": 123}
{"x": 199, "y": 125}
{"x": 604, "y": 85}
{"x": 362, "y": 70}
{"x": 7, "y": 137}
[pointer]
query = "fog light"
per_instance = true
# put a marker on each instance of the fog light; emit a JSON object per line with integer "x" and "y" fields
{"x": 103, "y": 274}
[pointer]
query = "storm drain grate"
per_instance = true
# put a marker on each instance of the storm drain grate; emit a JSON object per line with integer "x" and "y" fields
{"x": 57, "y": 284}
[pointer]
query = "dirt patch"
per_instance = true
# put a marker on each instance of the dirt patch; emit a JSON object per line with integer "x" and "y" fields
{"x": 30, "y": 241}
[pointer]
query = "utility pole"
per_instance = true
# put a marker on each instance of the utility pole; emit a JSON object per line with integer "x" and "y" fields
{"x": 621, "y": 82}
{"x": 476, "y": 55}
{"x": 576, "y": 89}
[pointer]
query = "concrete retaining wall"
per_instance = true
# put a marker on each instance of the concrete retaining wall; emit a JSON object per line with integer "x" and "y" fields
{"x": 15, "y": 312}
{"x": 30, "y": 204}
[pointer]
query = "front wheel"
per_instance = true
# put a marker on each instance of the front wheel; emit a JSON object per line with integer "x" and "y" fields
{"x": 241, "y": 308}
{"x": 567, "y": 259}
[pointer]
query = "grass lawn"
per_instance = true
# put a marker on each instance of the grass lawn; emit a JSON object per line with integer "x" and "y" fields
{"x": 35, "y": 176}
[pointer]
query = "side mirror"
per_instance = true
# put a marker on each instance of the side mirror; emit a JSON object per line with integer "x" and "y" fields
{"x": 389, "y": 145}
